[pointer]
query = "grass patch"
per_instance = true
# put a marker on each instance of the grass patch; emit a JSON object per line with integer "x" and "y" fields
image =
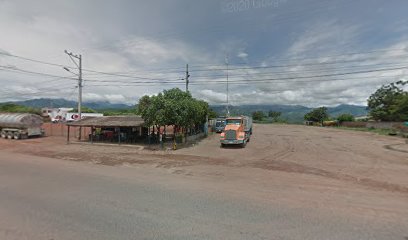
{"x": 385, "y": 132}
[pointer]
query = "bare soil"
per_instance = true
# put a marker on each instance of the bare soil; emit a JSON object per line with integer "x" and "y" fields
{"x": 351, "y": 173}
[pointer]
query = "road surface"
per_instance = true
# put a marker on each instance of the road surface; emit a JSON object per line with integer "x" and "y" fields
{"x": 46, "y": 198}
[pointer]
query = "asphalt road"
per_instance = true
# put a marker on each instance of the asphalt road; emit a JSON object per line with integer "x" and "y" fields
{"x": 42, "y": 198}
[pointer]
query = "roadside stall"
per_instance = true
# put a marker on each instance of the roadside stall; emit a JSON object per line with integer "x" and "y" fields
{"x": 113, "y": 129}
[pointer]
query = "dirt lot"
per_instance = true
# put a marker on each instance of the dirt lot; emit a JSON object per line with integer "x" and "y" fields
{"x": 350, "y": 173}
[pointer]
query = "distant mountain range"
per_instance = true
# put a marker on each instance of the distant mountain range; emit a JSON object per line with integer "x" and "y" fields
{"x": 291, "y": 113}
{"x": 57, "y": 103}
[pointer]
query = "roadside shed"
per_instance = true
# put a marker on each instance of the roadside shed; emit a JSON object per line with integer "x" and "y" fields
{"x": 120, "y": 129}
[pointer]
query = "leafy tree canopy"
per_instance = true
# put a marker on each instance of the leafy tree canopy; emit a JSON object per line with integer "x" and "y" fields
{"x": 388, "y": 103}
{"x": 15, "y": 108}
{"x": 274, "y": 115}
{"x": 317, "y": 115}
{"x": 173, "y": 107}
{"x": 345, "y": 118}
{"x": 258, "y": 115}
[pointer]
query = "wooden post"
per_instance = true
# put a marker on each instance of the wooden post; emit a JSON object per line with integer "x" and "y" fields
{"x": 92, "y": 131}
{"x": 119, "y": 134}
{"x": 68, "y": 135}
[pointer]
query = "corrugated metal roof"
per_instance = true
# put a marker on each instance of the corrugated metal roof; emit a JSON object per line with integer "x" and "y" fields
{"x": 109, "y": 121}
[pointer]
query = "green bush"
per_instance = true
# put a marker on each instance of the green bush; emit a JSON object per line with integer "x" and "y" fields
{"x": 345, "y": 118}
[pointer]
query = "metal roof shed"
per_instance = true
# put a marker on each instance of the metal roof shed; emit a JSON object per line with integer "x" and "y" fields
{"x": 108, "y": 122}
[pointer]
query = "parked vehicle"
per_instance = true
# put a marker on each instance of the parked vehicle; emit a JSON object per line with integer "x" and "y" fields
{"x": 56, "y": 114}
{"x": 237, "y": 131}
{"x": 219, "y": 125}
{"x": 20, "y": 125}
{"x": 75, "y": 116}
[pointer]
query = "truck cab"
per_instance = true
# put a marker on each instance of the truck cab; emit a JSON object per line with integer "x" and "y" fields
{"x": 237, "y": 131}
{"x": 219, "y": 125}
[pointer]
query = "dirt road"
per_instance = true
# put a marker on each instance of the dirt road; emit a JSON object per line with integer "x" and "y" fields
{"x": 325, "y": 176}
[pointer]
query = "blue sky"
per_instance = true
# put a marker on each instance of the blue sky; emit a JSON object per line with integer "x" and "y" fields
{"x": 279, "y": 51}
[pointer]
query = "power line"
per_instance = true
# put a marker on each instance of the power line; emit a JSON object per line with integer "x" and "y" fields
{"x": 220, "y": 81}
{"x": 64, "y": 66}
{"x": 15, "y": 69}
{"x": 206, "y": 69}
{"x": 314, "y": 70}
{"x": 80, "y": 85}
{"x": 246, "y": 82}
{"x": 327, "y": 75}
{"x": 32, "y": 60}
{"x": 273, "y": 66}
{"x": 122, "y": 75}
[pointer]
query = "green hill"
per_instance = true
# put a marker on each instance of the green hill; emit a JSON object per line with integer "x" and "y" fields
{"x": 291, "y": 113}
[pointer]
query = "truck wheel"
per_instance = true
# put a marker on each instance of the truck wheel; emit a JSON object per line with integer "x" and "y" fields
{"x": 9, "y": 135}
{"x": 16, "y": 136}
{"x": 243, "y": 145}
{"x": 3, "y": 134}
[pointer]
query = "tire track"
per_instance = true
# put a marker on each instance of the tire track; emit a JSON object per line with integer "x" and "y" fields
{"x": 392, "y": 148}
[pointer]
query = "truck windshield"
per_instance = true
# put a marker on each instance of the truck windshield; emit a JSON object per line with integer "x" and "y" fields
{"x": 220, "y": 123}
{"x": 233, "y": 121}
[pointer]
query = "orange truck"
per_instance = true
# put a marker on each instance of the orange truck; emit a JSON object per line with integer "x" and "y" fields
{"x": 237, "y": 131}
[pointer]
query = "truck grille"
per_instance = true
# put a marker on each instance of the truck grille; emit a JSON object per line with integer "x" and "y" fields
{"x": 230, "y": 135}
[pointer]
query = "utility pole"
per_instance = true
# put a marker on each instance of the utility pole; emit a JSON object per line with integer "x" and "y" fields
{"x": 226, "y": 62}
{"x": 80, "y": 85}
{"x": 187, "y": 76}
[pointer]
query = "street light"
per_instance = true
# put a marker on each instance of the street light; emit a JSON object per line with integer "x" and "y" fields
{"x": 69, "y": 70}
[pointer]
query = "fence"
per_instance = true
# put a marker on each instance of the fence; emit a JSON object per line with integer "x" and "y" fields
{"x": 354, "y": 124}
{"x": 376, "y": 125}
{"x": 195, "y": 137}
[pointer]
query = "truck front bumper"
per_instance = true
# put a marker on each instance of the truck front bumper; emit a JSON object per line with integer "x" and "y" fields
{"x": 237, "y": 141}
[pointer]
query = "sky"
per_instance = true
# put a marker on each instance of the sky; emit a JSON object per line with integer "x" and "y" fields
{"x": 294, "y": 52}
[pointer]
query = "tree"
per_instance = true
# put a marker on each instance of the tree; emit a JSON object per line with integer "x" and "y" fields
{"x": 84, "y": 110}
{"x": 15, "y": 108}
{"x": 258, "y": 115}
{"x": 400, "y": 109}
{"x": 153, "y": 110}
{"x": 345, "y": 118}
{"x": 212, "y": 114}
{"x": 274, "y": 115}
{"x": 317, "y": 115}
{"x": 386, "y": 104}
{"x": 173, "y": 107}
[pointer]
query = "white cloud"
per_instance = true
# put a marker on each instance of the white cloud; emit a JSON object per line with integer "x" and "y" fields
{"x": 325, "y": 36}
{"x": 242, "y": 55}
{"x": 212, "y": 96}
{"x": 115, "y": 98}
{"x": 115, "y": 39}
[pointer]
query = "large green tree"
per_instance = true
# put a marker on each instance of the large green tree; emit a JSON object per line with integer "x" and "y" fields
{"x": 317, "y": 115}
{"x": 258, "y": 115}
{"x": 14, "y": 108}
{"x": 388, "y": 103}
{"x": 274, "y": 115}
{"x": 346, "y": 117}
{"x": 400, "y": 109}
{"x": 173, "y": 107}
